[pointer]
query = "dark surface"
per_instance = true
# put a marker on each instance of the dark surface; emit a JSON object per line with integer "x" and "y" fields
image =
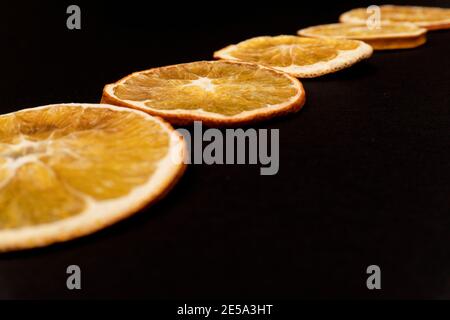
{"x": 364, "y": 170}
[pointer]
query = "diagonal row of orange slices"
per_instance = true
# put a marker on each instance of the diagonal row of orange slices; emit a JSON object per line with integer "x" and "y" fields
{"x": 68, "y": 170}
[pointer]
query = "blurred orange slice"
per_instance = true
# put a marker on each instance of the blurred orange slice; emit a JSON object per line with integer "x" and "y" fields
{"x": 431, "y": 18}
{"x": 387, "y": 36}
{"x": 299, "y": 56}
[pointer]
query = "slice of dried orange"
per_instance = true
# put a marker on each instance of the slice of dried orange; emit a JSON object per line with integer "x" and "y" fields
{"x": 431, "y": 18}
{"x": 299, "y": 56}
{"x": 387, "y": 36}
{"x": 215, "y": 92}
{"x": 71, "y": 169}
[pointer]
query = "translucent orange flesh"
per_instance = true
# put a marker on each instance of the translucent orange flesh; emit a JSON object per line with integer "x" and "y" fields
{"x": 286, "y": 51}
{"x": 218, "y": 87}
{"x": 53, "y": 160}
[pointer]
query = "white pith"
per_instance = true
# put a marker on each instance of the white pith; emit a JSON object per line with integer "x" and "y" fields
{"x": 204, "y": 83}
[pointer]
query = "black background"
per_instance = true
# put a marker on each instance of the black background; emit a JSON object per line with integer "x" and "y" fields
{"x": 364, "y": 170}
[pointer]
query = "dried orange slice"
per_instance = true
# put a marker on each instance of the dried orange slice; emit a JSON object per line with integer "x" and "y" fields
{"x": 300, "y": 57}
{"x": 71, "y": 169}
{"x": 387, "y": 36}
{"x": 431, "y": 18}
{"x": 215, "y": 92}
